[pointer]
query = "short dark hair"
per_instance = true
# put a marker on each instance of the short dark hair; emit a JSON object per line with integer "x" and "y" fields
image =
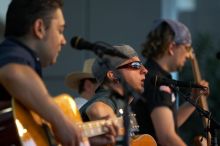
{"x": 22, "y": 14}
{"x": 157, "y": 41}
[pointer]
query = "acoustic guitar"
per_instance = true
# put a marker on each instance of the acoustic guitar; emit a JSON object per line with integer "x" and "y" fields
{"x": 34, "y": 131}
{"x": 199, "y": 140}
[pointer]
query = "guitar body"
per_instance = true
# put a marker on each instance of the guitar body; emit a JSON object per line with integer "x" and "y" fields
{"x": 143, "y": 140}
{"x": 29, "y": 131}
{"x": 29, "y": 124}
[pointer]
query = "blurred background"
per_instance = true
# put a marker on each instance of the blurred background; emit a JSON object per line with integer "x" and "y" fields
{"x": 128, "y": 22}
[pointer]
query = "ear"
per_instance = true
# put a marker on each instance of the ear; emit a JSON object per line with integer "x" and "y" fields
{"x": 111, "y": 76}
{"x": 171, "y": 48}
{"x": 39, "y": 28}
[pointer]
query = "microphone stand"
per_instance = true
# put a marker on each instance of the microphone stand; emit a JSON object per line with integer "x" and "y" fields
{"x": 126, "y": 119}
{"x": 128, "y": 92}
{"x": 213, "y": 126}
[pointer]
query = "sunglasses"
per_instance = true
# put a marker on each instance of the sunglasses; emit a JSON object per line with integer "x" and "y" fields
{"x": 132, "y": 65}
{"x": 188, "y": 48}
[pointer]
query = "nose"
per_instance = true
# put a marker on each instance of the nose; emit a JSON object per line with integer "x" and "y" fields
{"x": 63, "y": 41}
{"x": 188, "y": 55}
{"x": 189, "y": 51}
{"x": 144, "y": 70}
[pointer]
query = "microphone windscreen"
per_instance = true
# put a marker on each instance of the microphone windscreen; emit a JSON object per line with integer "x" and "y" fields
{"x": 75, "y": 41}
{"x": 218, "y": 55}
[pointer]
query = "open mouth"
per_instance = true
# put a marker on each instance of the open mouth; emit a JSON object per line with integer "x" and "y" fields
{"x": 142, "y": 82}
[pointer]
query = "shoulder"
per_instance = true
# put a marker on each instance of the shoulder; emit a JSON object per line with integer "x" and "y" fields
{"x": 12, "y": 52}
{"x": 99, "y": 110}
{"x": 16, "y": 73}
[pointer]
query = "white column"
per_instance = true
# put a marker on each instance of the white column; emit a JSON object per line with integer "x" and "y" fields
{"x": 169, "y": 9}
{"x": 3, "y": 8}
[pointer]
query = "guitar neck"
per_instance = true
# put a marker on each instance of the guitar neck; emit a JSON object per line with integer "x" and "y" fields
{"x": 202, "y": 100}
{"x": 95, "y": 128}
{"x": 197, "y": 77}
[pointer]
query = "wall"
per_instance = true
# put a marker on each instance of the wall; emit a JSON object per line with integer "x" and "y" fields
{"x": 114, "y": 22}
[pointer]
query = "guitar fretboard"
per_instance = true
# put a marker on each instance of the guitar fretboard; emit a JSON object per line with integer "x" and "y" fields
{"x": 94, "y": 128}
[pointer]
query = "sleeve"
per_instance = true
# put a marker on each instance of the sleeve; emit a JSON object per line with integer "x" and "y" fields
{"x": 13, "y": 55}
{"x": 13, "y": 59}
{"x": 158, "y": 96}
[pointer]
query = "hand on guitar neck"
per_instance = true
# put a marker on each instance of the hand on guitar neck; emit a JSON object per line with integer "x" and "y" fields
{"x": 198, "y": 79}
{"x": 200, "y": 141}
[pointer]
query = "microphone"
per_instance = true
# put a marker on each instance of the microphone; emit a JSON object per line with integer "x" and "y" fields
{"x": 158, "y": 81}
{"x": 99, "y": 49}
{"x": 218, "y": 55}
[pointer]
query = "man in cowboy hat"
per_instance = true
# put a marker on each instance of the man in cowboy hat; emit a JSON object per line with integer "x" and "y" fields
{"x": 82, "y": 82}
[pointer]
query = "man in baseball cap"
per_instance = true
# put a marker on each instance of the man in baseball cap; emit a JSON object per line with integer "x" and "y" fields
{"x": 112, "y": 72}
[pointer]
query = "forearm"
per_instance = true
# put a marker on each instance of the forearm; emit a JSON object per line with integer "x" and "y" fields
{"x": 184, "y": 112}
{"x": 27, "y": 88}
{"x": 165, "y": 130}
{"x": 48, "y": 110}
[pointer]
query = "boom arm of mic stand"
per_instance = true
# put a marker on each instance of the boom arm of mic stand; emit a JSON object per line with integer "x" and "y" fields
{"x": 213, "y": 126}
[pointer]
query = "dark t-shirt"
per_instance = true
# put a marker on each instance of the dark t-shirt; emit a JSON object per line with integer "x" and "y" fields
{"x": 13, "y": 51}
{"x": 153, "y": 97}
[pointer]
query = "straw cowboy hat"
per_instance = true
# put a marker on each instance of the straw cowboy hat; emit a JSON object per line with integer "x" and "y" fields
{"x": 72, "y": 80}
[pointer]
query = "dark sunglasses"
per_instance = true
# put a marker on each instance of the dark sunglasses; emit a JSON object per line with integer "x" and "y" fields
{"x": 132, "y": 65}
{"x": 188, "y": 48}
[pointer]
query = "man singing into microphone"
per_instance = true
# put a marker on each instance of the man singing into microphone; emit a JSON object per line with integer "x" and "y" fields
{"x": 167, "y": 47}
{"x": 109, "y": 100}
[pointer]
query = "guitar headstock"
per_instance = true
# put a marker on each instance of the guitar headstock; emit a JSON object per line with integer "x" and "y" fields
{"x": 192, "y": 54}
